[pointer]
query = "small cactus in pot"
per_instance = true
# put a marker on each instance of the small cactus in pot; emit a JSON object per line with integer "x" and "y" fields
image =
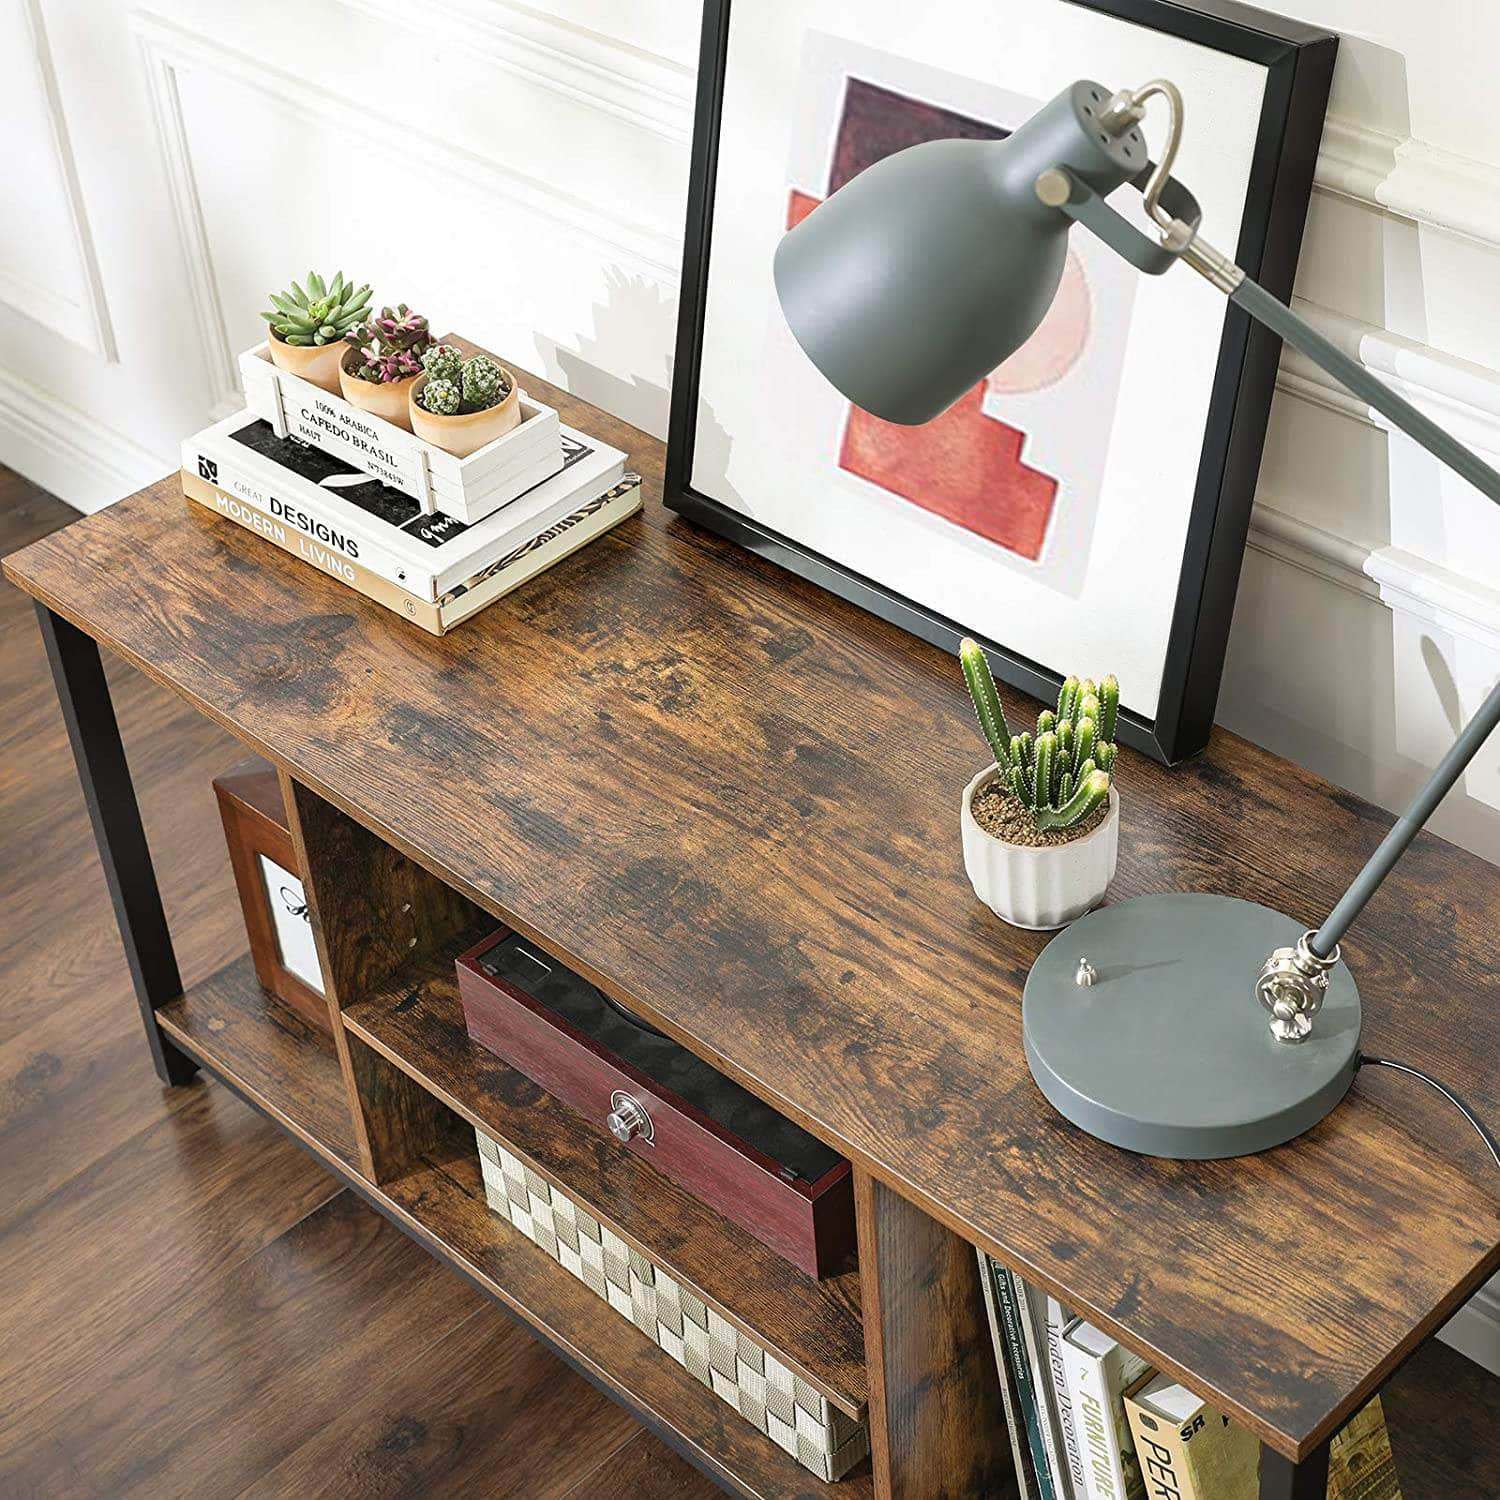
{"x": 461, "y": 404}
{"x": 1041, "y": 825}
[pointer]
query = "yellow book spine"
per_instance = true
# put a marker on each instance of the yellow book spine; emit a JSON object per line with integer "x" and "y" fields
{"x": 1203, "y": 1457}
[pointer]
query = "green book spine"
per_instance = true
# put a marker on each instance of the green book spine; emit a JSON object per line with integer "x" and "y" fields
{"x": 1015, "y": 1348}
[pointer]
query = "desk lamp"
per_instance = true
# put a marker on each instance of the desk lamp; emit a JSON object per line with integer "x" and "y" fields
{"x": 1214, "y": 1027}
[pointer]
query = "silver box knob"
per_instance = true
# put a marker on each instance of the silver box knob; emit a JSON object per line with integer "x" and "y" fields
{"x": 628, "y": 1119}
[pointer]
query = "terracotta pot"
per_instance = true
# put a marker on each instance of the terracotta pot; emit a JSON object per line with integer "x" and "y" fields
{"x": 316, "y": 363}
{"x": 1044, "y": 887}
{"x": 387, "y": 399}
{"x": 467, "y": 432}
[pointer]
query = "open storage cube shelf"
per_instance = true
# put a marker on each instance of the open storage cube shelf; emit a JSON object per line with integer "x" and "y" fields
{"x": 391, "y": 1101}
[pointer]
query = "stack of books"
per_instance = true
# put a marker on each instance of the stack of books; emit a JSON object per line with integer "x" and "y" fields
{"x": 1091, "y": 1421}
{"x": 433, "y": 569}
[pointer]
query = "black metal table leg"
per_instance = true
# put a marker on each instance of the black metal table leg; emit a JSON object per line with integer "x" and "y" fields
{"x": 110, "y": 797}
{"x": 1281, "y": 1479}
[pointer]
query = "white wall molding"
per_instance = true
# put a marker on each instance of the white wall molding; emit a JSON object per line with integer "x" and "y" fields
{"x": 1299, "y": 544}
{"x": 1474, "y": 1329}
{"x": 169, "y": 49}
{"x": 67, "y": 451}
{"x": 1411, "y": 179}
{"x": 646, "y": 90}
{"x": 1392, "y": 576}
{"x": 192, "y": 232}
{"x": 86, "y": 322}
{"x": 1462, "y": 396}
{"x": 1438, "y": 596}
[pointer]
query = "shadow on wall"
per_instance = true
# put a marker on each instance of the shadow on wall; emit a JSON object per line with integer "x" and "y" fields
{"x": 636, "y": 317}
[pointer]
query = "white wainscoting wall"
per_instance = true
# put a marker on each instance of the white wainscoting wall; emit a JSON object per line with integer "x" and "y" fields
{"x": 176, "y": 158}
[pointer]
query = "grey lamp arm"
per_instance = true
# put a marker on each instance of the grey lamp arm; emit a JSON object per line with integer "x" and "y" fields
{"x": 1405, "y": 417}
{"x": 1087, "y": 210}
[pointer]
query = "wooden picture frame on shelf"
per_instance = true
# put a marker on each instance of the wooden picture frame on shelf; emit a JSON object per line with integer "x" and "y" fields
{"x": 272, "y": 897}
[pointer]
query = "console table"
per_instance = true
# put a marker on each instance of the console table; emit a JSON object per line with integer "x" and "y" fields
{"x": 731, "y": 801}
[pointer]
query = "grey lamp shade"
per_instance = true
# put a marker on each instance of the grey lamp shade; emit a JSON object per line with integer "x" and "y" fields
{"x": 931, "y": 267}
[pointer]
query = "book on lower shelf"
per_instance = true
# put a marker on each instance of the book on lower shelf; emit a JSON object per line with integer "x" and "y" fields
{"x": 1099, "y": 1371}
{"x": 1089, "y": 1420}
{"x": 1028, "y": 1405}
{"x": 1189, "y": 1451}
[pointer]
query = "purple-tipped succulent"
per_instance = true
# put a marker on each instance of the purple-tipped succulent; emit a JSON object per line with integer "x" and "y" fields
{"x": 391, "y": 345}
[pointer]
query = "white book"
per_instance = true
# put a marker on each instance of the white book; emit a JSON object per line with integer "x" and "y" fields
{"x": 1058, "y": 1320}
{"x": 325, "y": 497}
{"x": 1033, "y": 1302}
{"x": 1099, "y": 1370}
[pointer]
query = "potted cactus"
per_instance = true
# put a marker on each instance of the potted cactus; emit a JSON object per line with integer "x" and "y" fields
{"x": 308, "y": 327}
{"x": 1041, "y": 826}
{"x": 382, "y": 361}
{"x": 459, "y": 405}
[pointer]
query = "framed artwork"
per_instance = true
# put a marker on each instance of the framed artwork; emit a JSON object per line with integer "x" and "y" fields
{"x": 1085, "y": 507}
{"x": 272, "y": 897}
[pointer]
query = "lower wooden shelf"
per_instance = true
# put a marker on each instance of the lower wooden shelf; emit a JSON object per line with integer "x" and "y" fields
{"x": 291, "y": 1074}
{"x": 416, "y": 1022}
{"x": 445, "y": 1200}
{"x": 270, "y": 1055}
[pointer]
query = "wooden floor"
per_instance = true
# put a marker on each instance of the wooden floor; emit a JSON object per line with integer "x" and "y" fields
{"x": 190, "y": 1306}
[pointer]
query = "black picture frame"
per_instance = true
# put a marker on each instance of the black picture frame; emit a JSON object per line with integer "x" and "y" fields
{"x": 1299, "y": 60}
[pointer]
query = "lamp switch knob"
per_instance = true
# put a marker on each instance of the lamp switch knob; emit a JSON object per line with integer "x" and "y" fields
{"x": 628, "y": 1119}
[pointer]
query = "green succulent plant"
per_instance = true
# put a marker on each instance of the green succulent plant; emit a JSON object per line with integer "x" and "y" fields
{"x": 443, "y": 362}
{"x": 484, "y": 384}
{"x": 441, "y": 397}
{"x": 1062, "y": 773}
{"x": 324, "y": 313}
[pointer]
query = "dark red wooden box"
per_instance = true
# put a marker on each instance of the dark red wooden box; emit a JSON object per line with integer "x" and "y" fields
{"x": 725, "y": 1146}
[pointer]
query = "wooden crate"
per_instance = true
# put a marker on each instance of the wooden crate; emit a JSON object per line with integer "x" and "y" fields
{"x": 468, "y": 489}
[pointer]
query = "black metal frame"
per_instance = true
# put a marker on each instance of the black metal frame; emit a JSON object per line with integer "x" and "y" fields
{"x": 1299, "y": 69}
{"x": 1281, "y": 1479}
{"x": 109, "y": 795}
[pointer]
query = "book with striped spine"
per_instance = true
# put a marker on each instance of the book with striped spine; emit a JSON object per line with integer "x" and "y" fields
{"x": 535, "y": 555}
{"x": 381, "y": 528}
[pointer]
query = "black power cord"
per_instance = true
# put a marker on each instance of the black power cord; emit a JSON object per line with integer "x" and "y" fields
{"x": 1365, "y": 1060}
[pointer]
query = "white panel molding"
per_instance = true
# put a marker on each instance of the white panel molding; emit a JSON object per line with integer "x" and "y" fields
{"x": 1474, "y": 1329}
{"x": 648, "y": 91}
{"x": 74, "y": 455}
{"x": 168, "y": 49}
{"x": 86, "y": 324}
{"x": 222, "y": 368}
{"x": 1402, "y": 581}
{"x": 1410, "y": 178}
{"x": 1462, "y": 396}
{"x": 1299, "y": 544}
{"x": 1438, "y": 596}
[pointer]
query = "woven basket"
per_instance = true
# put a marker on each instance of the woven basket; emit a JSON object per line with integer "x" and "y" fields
{"x": 737, "y": 1369}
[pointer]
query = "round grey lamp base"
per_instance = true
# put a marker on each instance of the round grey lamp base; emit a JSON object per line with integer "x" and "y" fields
{"x": 1168, "y": 1052}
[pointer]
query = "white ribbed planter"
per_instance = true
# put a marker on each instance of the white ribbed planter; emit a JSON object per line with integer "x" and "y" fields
{"x": 1043, "y": 887}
